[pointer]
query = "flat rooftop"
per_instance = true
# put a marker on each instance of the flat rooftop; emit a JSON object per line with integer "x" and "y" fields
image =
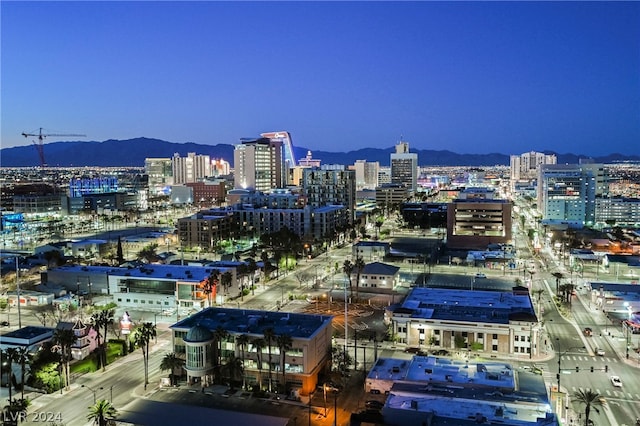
{"x": 469, "y": 305}
{"x": 174, "y": 272}
{"x": 248, "y": 321}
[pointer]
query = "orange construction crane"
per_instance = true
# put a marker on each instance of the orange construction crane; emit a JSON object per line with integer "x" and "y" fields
{"x": 39, "y": 145}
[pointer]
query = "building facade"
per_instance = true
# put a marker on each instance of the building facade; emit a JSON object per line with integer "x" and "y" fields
{"x": 259, "y": 164}
{"x": 524, "y": 167}
{"x": 190, "y": 168}
{"x": 160, "y": 173}
{"x": 293, "y": 367}
{"x": 366, "y": 174}
{"x": 404, "y": 167}
{"x": 330, "y": 187}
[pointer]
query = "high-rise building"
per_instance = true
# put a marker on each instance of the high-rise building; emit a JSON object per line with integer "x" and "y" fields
{"x": 259, "y": 164}
{"x": 404, "y": 166}
{"x": 160, "y": 175}
{"x": 366, "y": 174}
{"x": 284, "y": 138}
{"x": 524, "y": 167}
{"x": 325, "y": 187}
{"x": 190, "y": 168}
{"x": 567, "y": 192}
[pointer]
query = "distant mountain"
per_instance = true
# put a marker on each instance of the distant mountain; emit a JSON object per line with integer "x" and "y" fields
{"x": 132, "y": 152}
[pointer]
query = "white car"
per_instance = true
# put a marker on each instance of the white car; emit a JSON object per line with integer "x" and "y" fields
{"x": 615, "y": 381}
{"x": 599, "y": 352}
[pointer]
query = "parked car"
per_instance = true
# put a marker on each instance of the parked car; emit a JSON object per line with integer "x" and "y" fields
{"x": 599, "y": 351}
{"x": 615, "y": 381}
{"x": 481, "y": 275}
{"x": 588, "y": 332}
{"x": 4, "y": 323}
{"x": 373, "y": 404}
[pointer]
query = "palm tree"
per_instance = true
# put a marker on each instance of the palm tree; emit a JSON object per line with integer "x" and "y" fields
{"x": 284, "y": 343}
{"x": 234, "y": 368}
{"x": 242, "y": 341}
{"x": 227, "y": 279}
{"x": 251, "y": 269}
{"x": 347, "y": 268}
{"x": 358, "y": 266}
{"x": 22, "y": 357}
{"x": 210, "y": 285}
{"x": 538, "y": 294}
{"x": 558, "y": 276}
{"x": 259, "y": 344}
{"x": 590, "y": 400}
{"x": 11, "y": 355}
{"x": 264, "y": 257}
{"x": 101, "y": 320}
{"x": 269, "y": 335}
{"x": 141, "y": 338}
{"x": 64, "y": 339}
{"x": 219, "y": 334}
{"x": 102, "y": 412}
{"x": 172, "y": 363}
{"x": 15, "y": 412}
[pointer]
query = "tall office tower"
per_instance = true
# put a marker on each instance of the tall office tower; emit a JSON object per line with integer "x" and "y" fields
{"x": 524, "y": 167}
{"x": 324, "y": 187}
{"x": 284, "y": 138}
{"x": 160, "y": 175}
{"x": 567, "y": 193}
{"x": 404, "y": 166}
{"x": 190, "y": 168}
{"x": 366, "y": 174}
{"x": 259, "y": 164}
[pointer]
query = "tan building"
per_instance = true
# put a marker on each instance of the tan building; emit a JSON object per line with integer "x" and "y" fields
{"x": 489, "y": 322}
{"x": 474, "y": 223}
{"x": 197, "y": 337}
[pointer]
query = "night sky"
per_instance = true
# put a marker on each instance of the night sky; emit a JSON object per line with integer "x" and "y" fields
{"x": 470, "y": 77}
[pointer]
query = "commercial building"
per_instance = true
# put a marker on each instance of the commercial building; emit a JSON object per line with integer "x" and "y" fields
{"x": 489, "y": 322}
{"x": 404, "y": 167}
{"x": 160, "y": 175}
{"x": 568, "y": 193}
{"x": 619, "y": 211}
{"x": 436, "y": 390}
{"x": 259, "y": 164}
{"x": 392, "y": 194}
{"x": 190, "y": 168}
{"x": 207, "y": 228}
{"x": 366, "y": 174}
{"x": 377, "y": 277}
{"x": 524, "y": 167}
{"x": 475, "y": 220}
{"x": 296, "y": 367}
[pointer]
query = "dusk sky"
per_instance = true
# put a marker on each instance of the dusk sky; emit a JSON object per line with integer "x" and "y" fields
{"x": 469, "y": 77}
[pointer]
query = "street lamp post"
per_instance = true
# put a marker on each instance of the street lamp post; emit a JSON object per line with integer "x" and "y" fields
{"x": 92, "y": 390}
{"x": 560, "y": 354}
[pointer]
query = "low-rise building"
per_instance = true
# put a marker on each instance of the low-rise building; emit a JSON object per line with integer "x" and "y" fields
{"x": 489, "y": 322}
{"x": 378, "y": 277}
{"x": 211, "y": 335}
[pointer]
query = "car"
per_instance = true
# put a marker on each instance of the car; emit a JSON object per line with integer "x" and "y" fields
{"x": 615, "y": 381}
{"x": 480, "y": 275}
{"x": 588, "y": 332}
{"x": 4, "y": 323}
{"x": 599, "y": 351}
{"x": 373, "y": 404}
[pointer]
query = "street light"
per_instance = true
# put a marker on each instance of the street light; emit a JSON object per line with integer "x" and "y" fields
{"x": 92, "y": 390}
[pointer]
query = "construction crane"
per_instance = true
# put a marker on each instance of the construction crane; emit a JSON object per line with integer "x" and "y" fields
{"x": 39, "y": 144}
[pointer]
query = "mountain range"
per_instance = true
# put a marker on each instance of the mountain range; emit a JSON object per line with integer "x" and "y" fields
{"x": 132, "y": 153}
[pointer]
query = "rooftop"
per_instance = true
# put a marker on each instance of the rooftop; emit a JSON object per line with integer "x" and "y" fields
{"x": 247, "y": 321}
{"x": 465, "y": 305}
{"x": 174, "y": 272}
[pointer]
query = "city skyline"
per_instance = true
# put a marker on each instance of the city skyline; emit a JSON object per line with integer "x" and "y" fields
{"x": 471, "y": 78}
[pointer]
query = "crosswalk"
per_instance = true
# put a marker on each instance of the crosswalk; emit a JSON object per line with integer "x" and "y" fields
{"x": 610, "y": 393}
{"x": 594, "y": 359}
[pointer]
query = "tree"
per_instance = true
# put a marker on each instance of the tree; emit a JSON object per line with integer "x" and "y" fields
{"x": 358, "y": 266}
{"x": 149, "y": 253}
{"x": 11, "y": 354}
{"x": 102, "y": 413}
{"x": 141, "y": 338}
{"x": 210, "y": 284}
{"x": 241, "y": 342}
{"x": 219, "y": 334}
{"x": 347, "y": 268}
{"x": 264, "y": 257}
{"x": 259, "y": 344}
{"x": 558, "y": 276}
{"x": 234, "y": 368}
{"x": 22, "y": 357}
{"x": 64, "y": 339}
{"x": 269, "y": 336}
{"x": 15, "y": 412}
{"x": 284, "y": 343}
{"x": 227, "y": 279}
{"x": 252, "y": 267}
{"x": 101, "y": 321}
{"x": 172, "y": 363}
{"x": 119, "y": 253}
{"x": 590, "y": 400}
